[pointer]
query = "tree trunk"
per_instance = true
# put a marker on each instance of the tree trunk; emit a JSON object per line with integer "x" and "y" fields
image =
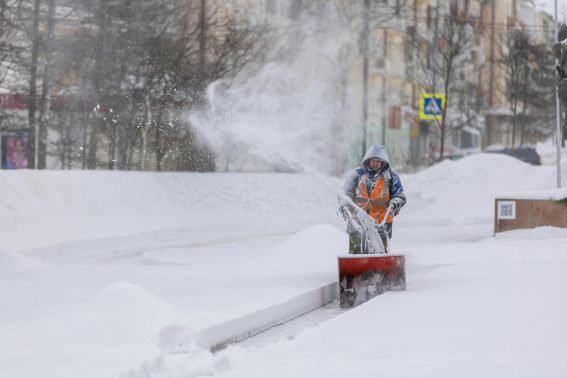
{"x": 112, "y": 147}
{"x": 84, "y": 144}
{"x": 148, "y": 119}
{"x": 515, "y": 85}
{"x": 514, "y": 122}
{"x": 442, "y": 137}
{"x": 443, "y": 134}
{"x": 32, "y": 100}
{"x": 46, "y": 88}
{"x": 158, "y": 139}
{"x": 97, "y": 78}
{"x": 130, "y": 158}
{"x": 524, "y": 106}
{"x": 514, "y": 103}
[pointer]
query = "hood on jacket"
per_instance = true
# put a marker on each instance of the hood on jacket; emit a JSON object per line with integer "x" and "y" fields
{"x": 376, "y": 151}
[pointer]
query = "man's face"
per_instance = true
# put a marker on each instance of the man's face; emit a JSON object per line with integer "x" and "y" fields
{"x": 375, "y": 164}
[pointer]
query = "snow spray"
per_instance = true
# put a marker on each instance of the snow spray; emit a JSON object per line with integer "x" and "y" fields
{"x": 288, "y": 113}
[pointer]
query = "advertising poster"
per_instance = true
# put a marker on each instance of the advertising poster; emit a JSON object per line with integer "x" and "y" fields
{"x": 14, "y": 150}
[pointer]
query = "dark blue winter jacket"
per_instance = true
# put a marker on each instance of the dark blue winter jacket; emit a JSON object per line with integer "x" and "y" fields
{"x": 379, "y": 152}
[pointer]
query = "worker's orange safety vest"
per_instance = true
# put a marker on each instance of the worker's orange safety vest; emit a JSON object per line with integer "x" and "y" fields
{"x": 375, "y": 203}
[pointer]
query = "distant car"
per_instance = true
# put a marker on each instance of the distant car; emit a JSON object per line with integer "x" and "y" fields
{"x": 526, "y": 154}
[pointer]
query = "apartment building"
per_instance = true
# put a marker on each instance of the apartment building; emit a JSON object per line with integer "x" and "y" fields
{"x": 378, "y": 57}
{"x": 389, "y": 63}
{"x": 498, "y": 18}
{"x": 373, "y": 78}
{"x": 398, "y": 71}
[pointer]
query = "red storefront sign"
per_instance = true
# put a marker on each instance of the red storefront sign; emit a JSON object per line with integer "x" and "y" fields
{"x": 11, "y": 101}
{"x": 59, "y": 102}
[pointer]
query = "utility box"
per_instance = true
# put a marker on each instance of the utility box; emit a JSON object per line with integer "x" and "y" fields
{"x": 513, "y": 213}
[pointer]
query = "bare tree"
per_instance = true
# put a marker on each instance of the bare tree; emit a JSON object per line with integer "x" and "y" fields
{"x": 539, "y": 95}
{"x": 450, "y": 68}
{"x": 33, "y": 96}
{"x": 517, "y": 62}
{"x": 143, "y": 64}
{"x": 375, "y": 15}
{"x": 206, "y": 43}
{"x": 64, "y": 122}
{"x": 529, "y": 86}
{"x": 9, "y": 49}
{"x": 45, "y": 108}
{"x": 36, "y": 62}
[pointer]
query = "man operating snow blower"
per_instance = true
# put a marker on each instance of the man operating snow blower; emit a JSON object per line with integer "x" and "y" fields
{"x": 375, "y": 195}
{"x": 375, "y": 188}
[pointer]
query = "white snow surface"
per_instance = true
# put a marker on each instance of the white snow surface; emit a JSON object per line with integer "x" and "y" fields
{"x": 107, "y": 274}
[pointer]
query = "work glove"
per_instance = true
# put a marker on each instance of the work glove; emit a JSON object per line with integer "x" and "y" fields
{"x": 396, "y": 204}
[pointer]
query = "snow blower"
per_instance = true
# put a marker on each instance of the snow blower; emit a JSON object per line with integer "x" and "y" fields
{"x": 372, "y": 271}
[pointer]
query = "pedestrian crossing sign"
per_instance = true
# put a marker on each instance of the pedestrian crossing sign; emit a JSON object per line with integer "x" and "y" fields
{"x": 431, "y": 105}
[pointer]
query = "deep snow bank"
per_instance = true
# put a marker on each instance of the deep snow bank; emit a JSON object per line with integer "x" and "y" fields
{"x": 463, "y": 191}
{"x": 48, "y": 207}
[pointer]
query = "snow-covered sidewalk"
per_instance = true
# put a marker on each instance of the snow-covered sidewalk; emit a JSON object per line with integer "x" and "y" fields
{"x": 96, "y": 307}
{"x": 492, "y": 308}
{"x": 108, "y": 274}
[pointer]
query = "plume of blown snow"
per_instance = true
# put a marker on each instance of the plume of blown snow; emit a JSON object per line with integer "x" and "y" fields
{"x": 289, "y": 111}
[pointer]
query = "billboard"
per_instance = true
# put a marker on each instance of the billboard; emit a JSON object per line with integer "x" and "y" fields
{"x": 14, "y": 149}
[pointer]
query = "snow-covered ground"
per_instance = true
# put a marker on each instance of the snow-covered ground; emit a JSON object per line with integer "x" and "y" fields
{"x": 107, "y": 274}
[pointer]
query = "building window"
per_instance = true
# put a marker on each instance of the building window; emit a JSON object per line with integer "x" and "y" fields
{"x": 271, "y": 6}
{"x": 454, "y": 10}
{"x": 408, "y": 51}
{"x": 395, "y": 117}
{"x": 408, "y": 58}
{"x": 385, "y": 47}
{"x": 295, "y": 9}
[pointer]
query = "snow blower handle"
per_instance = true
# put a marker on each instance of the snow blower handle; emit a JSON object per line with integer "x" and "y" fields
{"x": 388, "y": 212}
{"x": 353, "y": 226}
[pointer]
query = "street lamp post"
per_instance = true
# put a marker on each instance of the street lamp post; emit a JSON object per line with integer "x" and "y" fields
{"x": 558, "y": 111}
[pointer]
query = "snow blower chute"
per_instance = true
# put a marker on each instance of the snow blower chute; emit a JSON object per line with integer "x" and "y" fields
{"x": 368, "y": 270}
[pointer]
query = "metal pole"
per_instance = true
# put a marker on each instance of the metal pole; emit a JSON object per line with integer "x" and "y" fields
{"x": 365, "y": 72}
{"x": 433, "y": 61}
{"x": 36, "y": 145}
{"x": 558, "y": 112}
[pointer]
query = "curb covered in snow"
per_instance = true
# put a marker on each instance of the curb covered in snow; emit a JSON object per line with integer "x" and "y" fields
{"x": 221, "y": 335}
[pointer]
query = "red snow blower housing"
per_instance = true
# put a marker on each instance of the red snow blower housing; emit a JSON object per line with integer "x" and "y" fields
{"x": 373, "y": 271}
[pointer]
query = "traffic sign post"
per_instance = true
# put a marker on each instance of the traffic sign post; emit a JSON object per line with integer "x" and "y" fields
{"x": 431, "y": 106}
